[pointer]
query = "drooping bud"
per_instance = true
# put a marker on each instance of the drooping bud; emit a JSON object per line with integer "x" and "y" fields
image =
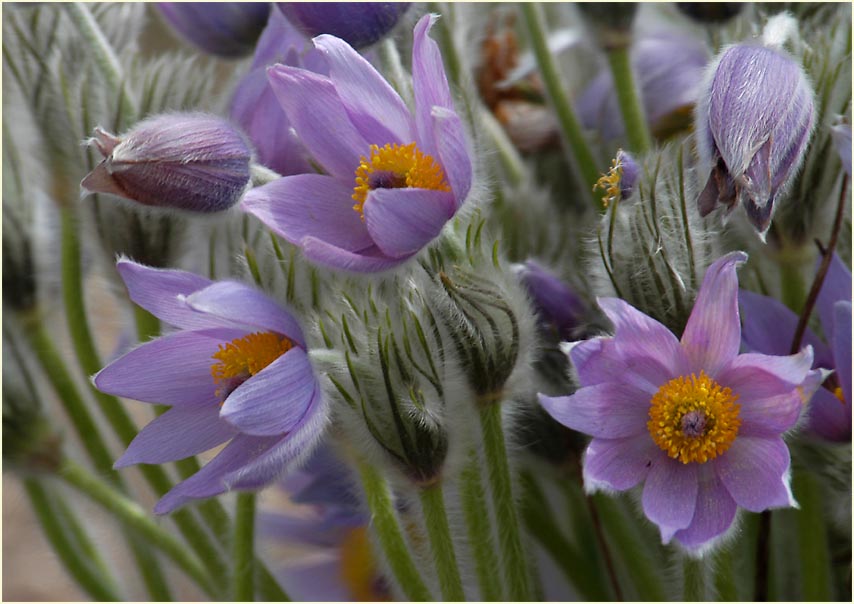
{"x": 753, "y": 121}
{"x": 710, "y": 12}
{"x": 192, "y": 162}
{"x": 225, "y": 29}
{"x": 559, "y": 308}
{"x": 360, "y": 24}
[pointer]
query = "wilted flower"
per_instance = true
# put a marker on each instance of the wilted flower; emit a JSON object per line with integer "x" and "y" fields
{"x": 182, "y": 161}
{"x": 236, "y": 369}
{"x": 841, "y": 134}
{"x": 699, "y": 424}
{"x": 392, "y": 179}
{"x": 769, "y": 327}
{"x": 226, "y": 29}
{"x": 360, "y": 24}
{"x": 753, "y": 120}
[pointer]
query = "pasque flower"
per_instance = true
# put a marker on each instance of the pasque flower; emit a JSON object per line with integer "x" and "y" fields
{"x": 769, "y": 327}
{"x": 235, "y": 369}
{"x": 694, "y": 421}
{"x": 226, "y": 29}
{"x": 360, "y": 24}
{"x": 392, "y": 179}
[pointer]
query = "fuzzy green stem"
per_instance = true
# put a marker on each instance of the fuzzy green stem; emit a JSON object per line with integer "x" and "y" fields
{"x": 631, "y": 108}
{"x": 436, "y": 521}
{"x": 135, "y": 518}
{"x": 476, "y": 515}
{"x": 389, "y": 535}
{"x": 243, "y": 548}
{"x": 513, "y": 561}
{"x": 812, "y": 537}
{"x": 569, "y": 124}
{"x": 724, "y": 578}
{"x": 511, "y": 161}
{"x": 96, "y": 583}
{"x": 693, "y": 580}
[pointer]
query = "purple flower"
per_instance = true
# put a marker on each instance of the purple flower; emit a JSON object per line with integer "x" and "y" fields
{"x": 769, "y": 327}
{"x": 360, "y": 24}
{"x": 559, "y": 308}
{"x": 841, "y": 134}
{"x": 699, "y": 424}
{"x": 225, "y": 29}
{"x": 183, "y": 161}
{"x": 236, "y": 370}
{"x": 753, "y": 121}
{"x": 392, "y": 179}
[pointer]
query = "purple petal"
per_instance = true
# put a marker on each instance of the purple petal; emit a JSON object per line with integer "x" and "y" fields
{"x": 842, "y": 349}
{"x": 829, "y": 417}
{"x": 309, "y": 205}
{"x": 604, "y": 410}
{"x": 368, "y": 261}
{"x": 243, "y": 305}
{"x": 618, "y": 463}
{"x": 713, "y": 515}
{"x": 275, "y": 399}
{"x": 453, "y": 152}
{"x": 755, "y": 471}
{"x": 429, "y": 83}
{"x": 713, "y": 333}
{"x": 836, "y": 287}
{"x": 670, "y": 495}
{"x": 375, "y": 108}
{"x": 318, "y": 578}
{"x": 402, "y": 221}
{"x": 320, "y": 119}
{"x": 178, "y": 433}
{"x": 172, "y": 370}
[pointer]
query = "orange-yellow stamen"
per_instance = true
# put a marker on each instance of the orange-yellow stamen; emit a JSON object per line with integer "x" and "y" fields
{"x": 395, "y": 167}
{"x": 693, "y": 419}
{"x": 243, "y": 357}
{"x": 610, "y": 183}
{"x": 358, "y": 569}
{"x": 837, "y": 392}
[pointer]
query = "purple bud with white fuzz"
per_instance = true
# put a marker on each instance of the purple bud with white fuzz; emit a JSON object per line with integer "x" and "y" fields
{"x": 360, "y": 24}
{"x": 224, "y": 29}
{"x": 754, "y": 118}
{"x": 183, "y": 161}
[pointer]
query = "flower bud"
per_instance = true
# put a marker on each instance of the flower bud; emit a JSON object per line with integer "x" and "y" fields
{"x": 192, "y": 162}
{"x": 225, "y": 29}
{"x": 612, "y": 22}
{"x": 560, "y": 310}
{"x": 753, "y": 120}
{"x": 360, "y": 24}
{"x": 710, "y": 12}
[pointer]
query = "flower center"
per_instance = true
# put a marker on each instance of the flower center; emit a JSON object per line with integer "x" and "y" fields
{"x": 358, "y": 569}
{"x": 396, "y": 167}
{"x": 693, "y": 418}
{"x": 241, "y": 358}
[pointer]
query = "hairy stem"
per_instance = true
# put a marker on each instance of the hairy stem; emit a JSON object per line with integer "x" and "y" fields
{"x": 441, "y": 543}
{"x": 476, "y": 515}
{"x": 631, "y": 107}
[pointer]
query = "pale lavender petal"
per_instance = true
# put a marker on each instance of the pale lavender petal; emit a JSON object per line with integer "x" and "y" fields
{"x": 714, "y": 513}
{"x": 275, "y": 399}
{"x": 319, "y": 117}
{"x": 713, "y": 334}
{"x": 429, "y": 83}
{"x": 670, "y": 495}
{"x": 829, "y": 417}
{"x": 178, "y": 433}
{"x": 368, "y": 261}
{"x": 242, "y": 305}
{"x": 603, "y": 411}
{"x": 316, "y": 578}
{"x": 619, "y": 463}
{"x": 402, "y": 221}
{"x": 172, "y": 370}
{"x": 309, "y": 205}
{"x": 755, "y": 471}
{"x": 842, "y": 349}
{"x": 836, "y": 287}
{"x": 375, "y": 108}
{"x": 453, "y": 152}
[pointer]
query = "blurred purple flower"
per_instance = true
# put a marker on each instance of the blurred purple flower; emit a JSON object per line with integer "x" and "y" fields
{"x": 558, "y": 307}
{"x": 225, "y": 29}
{"x": 769, "y": 327}
{"x": 407, "y": 174}
{"x": 235, "y": 370}
{"x": 183, "y": 161}
{"x": 841, "y": 134}
{"x": 360, "y": 24}
{"x": 753, "y": 120}
{"x": 699, "y": 424}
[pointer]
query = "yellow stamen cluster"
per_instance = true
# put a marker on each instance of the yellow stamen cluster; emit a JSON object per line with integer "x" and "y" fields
{"x": 693, "y": 419}
{"x": 246, "y": 356}
{"x": 610, "y": 183}
{"x": 405, "y": 163}
{"x": 837, "y": 392}
{"x": 358, "y": 570}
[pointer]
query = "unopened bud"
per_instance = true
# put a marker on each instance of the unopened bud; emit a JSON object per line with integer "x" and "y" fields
{"x": 225, "y": 29}
{"x": 710, "y": 12}
{"x": 360, "y": 24}
{"x": 612, "y": 22}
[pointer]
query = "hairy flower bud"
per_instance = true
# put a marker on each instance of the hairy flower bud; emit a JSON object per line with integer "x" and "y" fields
{"x": 225, "y": 29}
{"x": 360, "y": 24}
{"x": 192, "y": 162}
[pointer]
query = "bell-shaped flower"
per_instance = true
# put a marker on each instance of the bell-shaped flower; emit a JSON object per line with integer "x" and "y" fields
{"x": 392, "y": 179}
{"x": 753, "y": 120}
{"x": 235, "y": 369}
{"x": 225, "y": 29}
{"x": 697, "y": 423}
{"x": 360, "y": 24}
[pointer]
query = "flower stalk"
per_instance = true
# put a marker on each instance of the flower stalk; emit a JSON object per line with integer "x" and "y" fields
{"x": 436, "y": 521}
{"x": 243, "y": 546}
{"x": 629, "y": 100}
{"x": 479, "y": 530}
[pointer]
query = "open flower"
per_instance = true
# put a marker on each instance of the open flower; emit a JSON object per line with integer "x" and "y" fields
{"x": 699, "y": 424}
{"x": 392, "y": 179}
{"x": 235, "y": 370}
{"x": 769, "y": 327}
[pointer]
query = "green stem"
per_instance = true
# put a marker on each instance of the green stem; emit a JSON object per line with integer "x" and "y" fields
{"x": 479, "y": 531}
{"x": 792, "y": 284}
{"x": 65, "y": 515}
{"x": 511, "y": 161}
{"x": 94, "y": 581}
{"x": 243, "y": 548}
{"x": 135, "y": 518}
{"x": 694, "y": 581}
{"x": 725, "y": 586}
{"x": 393, "y": 66}
{"x": 390, "y": 537}
{"x": 147, "y": 325}
{"x": 569, "y": 124}
{"x": 634, "y": 118}
{"x": 513, "y": 560}
{"x": 812, "y": 536}
{"x": 436, "y": 520}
